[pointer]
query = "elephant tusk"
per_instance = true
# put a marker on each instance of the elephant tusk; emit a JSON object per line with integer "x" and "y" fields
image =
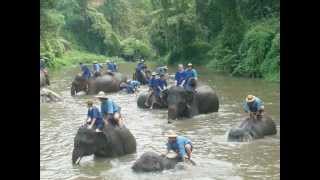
{"x": 78, "y": 161}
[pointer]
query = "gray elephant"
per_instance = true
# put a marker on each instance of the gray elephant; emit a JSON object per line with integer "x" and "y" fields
{"x": 44, "y": 79}
{"x": 183, "y": 103}
{"x": 152, "y": 162}
{"x": 253, "y": 129}
{"x": 111, "y": 142}
{"x": 47, "y": 95}
{"x": 106, "y": 82}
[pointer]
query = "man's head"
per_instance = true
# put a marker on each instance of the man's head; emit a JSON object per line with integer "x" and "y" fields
{"x": 153, "y": 74}
{"x": 250, "y": 99}
{"x": 162, "y": 76}
{"x": 189, "y": 66}
{"x": 89, "y": 103}
{"x": 101, "y": 96}
{"x": 172, "y": 136}
{"x": 180, "y": 67}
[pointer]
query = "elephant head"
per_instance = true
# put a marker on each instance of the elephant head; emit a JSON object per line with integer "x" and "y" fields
{"x": 252, "y": 129}
{"x": 178, "y": 99}
{"x": 151, "y": 162}
{"x": 87, "y": 142}
{"x": 78, "y": 84}
{"x": 112, "y": 142}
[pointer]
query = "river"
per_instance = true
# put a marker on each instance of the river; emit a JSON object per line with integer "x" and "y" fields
{"x": 215, "y": 157}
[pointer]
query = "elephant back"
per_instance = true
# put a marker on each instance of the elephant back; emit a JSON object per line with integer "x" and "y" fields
{"x": 142, "y": 99}
{"x": 207, "y": 99}
{"x": 269, "y": 126}
{"x": 119, "y": 77}
{"x": 119, "y": 141}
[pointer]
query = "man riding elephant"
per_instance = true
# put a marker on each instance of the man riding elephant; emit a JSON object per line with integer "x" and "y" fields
{"x": 111, "y": 112}
{"x": 180, "y": 77}
{"x": 191, "y": 74}
{"x": 140, "y": 73}
{"x": 131, "y": 86}
{"x": 96, "y": 69}
{"x": 94, "y": 117}
{"x": 254, "y": 106}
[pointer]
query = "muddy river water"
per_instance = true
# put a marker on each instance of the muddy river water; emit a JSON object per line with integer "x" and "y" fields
{"x": 215, "y": 157}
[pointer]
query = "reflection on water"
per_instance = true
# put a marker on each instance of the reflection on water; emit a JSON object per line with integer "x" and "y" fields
{"x": 215, "y": 157}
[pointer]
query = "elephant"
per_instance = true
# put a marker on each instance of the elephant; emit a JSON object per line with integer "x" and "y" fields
{"x": 47, "y": 95}
{"x": 152, "y": 162}
{"x": 44, "y": 79}
{"x": 160, "y": 104}
{"x": 183, "y": 103}
{"x": 251, "y": 128}
{"x": 143, "y": 78}
{"x": 109, "y": 82}
{"x": 111, "y": 142}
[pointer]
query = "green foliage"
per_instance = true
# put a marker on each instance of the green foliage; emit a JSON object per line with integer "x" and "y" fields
{"x": 133, "y": 48}
{"x": 241, "y": 37}
{"x": 254, "y": 49}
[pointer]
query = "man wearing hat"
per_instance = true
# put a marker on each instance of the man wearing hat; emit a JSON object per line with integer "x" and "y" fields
{"x": 162, "y": 85}
{"x": 94, "y": 117}
{"x": 153, "y": 88}
{"x": 191, "y": 73}
{"x": 180, "y": 76}
{"x": 111, "y": 66}
{"x": 254, "y": 106}
{"x": 96, "y": 69}
{"x": 162, "y": 70}
{"x": 179, "y": 144}
{"x": 140, "y": 69}
{"x": 109, "y": 110}
{"x": 86, "y": 74}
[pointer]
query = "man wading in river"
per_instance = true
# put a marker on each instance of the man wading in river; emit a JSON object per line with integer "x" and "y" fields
{"x": 94, "y": 117}
{"x": 110, "y": 110}
{"x": 179, "y": 144}
{"x": 254, "y": 106}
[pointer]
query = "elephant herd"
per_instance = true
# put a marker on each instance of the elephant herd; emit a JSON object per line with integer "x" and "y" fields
{"x": 119, "y": 141}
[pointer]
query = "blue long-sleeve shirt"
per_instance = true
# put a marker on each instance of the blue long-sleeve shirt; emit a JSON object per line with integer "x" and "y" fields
{"x": 179, "y": 145}
{"x": 94, "y": 112}
{"x": 180, "y": 77}
{"x": 109, "y": 107}
{"x": 161, "y": 84}
{"x": 112, "y": 67}
{"x": 191, "y": 74}
{"x": 153, "y": 84}
{"x": 85, "y": 71}
{"x": 97, "y": 67}
{"x": 256, "y": 105}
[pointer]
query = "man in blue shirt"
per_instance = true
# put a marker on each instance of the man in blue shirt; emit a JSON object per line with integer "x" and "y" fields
{"x": 162, "y": 85}
{"x": 86, "y": 74}
{"x": 94, "y": 117}
{"x": 111, "y": 67}
{"x": 254, "y": 106}
{"x": 180, "y": 76}
{"x": 115, "y": 67}
{"x": 191, "y": 73}
{"x": 153, "y": 88}
{"x": 96, "y": 69}
{"x": 131, "y": 86}
{"x": 140, "y": 70}
{"x": 179, "y": 144}
{"x": 110, "y": 110}
{"x": 162, "y": 70}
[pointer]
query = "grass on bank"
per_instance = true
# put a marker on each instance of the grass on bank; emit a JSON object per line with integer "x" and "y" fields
{"x": 74, "y": 57}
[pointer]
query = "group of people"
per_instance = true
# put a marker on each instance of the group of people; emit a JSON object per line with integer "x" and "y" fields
{"x": 108, "y": 114}
{"x": 111, "y": 67}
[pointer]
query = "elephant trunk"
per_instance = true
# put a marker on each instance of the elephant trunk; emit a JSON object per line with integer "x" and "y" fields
{"x": 172, "y": 112}
{"x": 76, "y": 156}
